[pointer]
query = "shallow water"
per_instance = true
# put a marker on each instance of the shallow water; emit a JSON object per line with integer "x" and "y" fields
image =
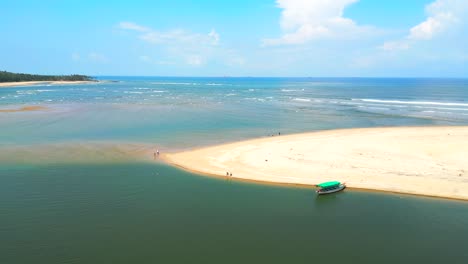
{"x": 176, "y": 113}
{"x": 150, "y": 213}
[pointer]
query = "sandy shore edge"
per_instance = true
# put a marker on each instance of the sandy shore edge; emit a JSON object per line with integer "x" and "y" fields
{"x": 428, "y": 161}
{"x": 32, "y": 83}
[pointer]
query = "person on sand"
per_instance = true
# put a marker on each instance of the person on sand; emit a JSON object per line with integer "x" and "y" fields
{"x": 157, "y": 152}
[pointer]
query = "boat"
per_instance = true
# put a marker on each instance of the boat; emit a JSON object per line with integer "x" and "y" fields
{"x": 330, "y": 187}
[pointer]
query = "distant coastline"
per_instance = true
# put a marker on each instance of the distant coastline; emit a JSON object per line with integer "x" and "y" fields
{"x": 8, "y": 79}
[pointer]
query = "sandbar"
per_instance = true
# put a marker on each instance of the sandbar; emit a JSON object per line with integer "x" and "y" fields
{"x": 32, "y": 83}
{"x": 24, "y": 109}
{"x": 430, "y": 161}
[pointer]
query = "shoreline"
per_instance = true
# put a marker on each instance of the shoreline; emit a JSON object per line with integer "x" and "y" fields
{"x": 302, "y": 185}
{"x": 33, "y": 83}
{"x": 424, "y": 161}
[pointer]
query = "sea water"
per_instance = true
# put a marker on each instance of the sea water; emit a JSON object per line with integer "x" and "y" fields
{"x": 189, "y": 112}
{"x": 125, "y": 211}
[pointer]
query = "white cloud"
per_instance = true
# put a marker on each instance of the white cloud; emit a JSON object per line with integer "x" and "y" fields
{"x": 306, "y": 20}
{"x": 442, "y": 16}
{"x": 133, "y": 26}
{"x": 175, "y": 36}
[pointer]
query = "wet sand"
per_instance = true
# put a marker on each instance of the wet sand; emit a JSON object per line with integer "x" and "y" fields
{"x": 430, "y": 161}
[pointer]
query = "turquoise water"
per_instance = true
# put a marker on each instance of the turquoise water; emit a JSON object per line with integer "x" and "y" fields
{"x": 187, "y": 112}
{"x": 54, "y": 209}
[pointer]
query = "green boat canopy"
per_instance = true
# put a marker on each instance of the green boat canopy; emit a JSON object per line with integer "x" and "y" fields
{"x": 329, "y": 184}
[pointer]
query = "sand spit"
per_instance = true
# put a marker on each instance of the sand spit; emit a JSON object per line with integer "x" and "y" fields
{"x": 430, "y": 161}
{"x": 11, "y": 84}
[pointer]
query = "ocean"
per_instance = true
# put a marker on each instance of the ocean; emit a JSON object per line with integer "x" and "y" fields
{"x": 54, "y": 209}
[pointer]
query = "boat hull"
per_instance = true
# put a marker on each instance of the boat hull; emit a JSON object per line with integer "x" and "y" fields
{"x": 340, "y": 188}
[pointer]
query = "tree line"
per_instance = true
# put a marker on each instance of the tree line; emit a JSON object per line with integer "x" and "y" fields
{"x": 24, "y": 77}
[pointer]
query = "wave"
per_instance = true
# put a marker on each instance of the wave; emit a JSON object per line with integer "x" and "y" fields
{"x": 301, "y": 99}
{"x": 410, "y": 102}
{"x": 435, "y": 107}
{"x": 175, "y": 83}
{"x": 292, "y": 90}
{"x": 44, "y": 90}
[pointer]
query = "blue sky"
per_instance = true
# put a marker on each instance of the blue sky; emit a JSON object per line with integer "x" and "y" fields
{"x": 362, "y": 38}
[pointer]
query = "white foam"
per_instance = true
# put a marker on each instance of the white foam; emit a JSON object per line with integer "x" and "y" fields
{"x": 44, "y": 90}
{"x": 175, "y": 83}
{"x": 291, "y": 90}
{"x": 411, "y": 102}
{"x": 301, "y": 99}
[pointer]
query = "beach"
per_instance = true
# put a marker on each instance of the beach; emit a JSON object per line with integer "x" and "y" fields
{"x": 31, "y": 83}
{"x": 78, "y": 170}
{"x": 427, "y": 161}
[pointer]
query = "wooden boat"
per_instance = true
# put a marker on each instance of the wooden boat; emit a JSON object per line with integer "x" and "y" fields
{"x": 330, "y": 187}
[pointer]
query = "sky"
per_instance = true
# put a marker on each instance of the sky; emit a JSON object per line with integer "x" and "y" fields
{"x": 279, "y": 38}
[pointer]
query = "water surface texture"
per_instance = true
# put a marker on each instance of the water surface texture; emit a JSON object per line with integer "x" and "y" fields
{"x": 54, "y": 209}
{"x": 142, "y": 213}
{"x": 187, "y": 112}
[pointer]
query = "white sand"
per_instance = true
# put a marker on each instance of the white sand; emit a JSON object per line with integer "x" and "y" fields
{"x": 10, "y": 84}
{"x": 429, "y": 161}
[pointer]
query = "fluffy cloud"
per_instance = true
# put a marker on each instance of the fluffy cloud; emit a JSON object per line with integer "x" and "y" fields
{"x": 306, "y": 20}
{"x": 178, "y": 46}
{"x": 133, "y": 26}
{"x": 442, "y": 16}
{"x": 177, "y": 36}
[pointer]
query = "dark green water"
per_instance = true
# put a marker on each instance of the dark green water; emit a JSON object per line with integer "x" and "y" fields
{"x": 150, "y": 213}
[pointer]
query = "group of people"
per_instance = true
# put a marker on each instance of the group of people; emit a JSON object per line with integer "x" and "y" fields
{"x": 228, "y": 174}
